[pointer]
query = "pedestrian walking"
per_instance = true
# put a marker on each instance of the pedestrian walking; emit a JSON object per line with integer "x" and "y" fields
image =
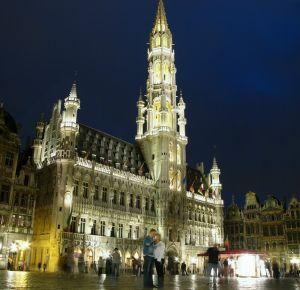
{"x": 44, "y": 266}
{"x": 100, "y": 265}
{"x": 213, "y": 261}
{"x": 275, "y": 269}
{"x": 148, "y": 251}
{"x": 139, "y": 267}
{"x": 159, "y": 255}
{"x": 225, "y": 265}
{"x": 39, "y": 266}
{"x": 183, "y": 269}
{"x": 116, "y": 261}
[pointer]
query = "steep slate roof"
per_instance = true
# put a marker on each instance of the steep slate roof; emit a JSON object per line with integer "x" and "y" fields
{"x": 104, "y": 148}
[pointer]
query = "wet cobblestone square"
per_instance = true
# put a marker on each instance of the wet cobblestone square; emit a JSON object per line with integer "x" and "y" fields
{"x": 59, "y": 281}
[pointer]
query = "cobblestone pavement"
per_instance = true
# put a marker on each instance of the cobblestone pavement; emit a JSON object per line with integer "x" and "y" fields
{"x": 49, "y": 281}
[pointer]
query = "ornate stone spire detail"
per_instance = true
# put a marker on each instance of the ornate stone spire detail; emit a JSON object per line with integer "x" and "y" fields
{"x": 161, "y": 23}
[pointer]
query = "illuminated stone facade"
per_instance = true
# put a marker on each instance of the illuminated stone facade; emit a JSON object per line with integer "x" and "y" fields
{"x": 98, "y": 192}
{"x": 17, "y": 197}
{"x": 268, "y": 228}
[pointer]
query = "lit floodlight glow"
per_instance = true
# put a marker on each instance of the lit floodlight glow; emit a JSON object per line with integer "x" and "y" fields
{"x": 246, "y": 266}
{"x": 68, "y": 199}
{"x": 176, "y": 259}
{"x": 13, "y": 248}
{"x": 295, "y": 261}
{"x": 193, "y": 260}
{"x": 262, "y": 266}
{"x": 24, "y": 245}
{"x": 105, "y": 255}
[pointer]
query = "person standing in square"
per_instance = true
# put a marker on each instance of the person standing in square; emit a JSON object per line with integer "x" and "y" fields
{"x": 159, "y": 254}
{"x": 148, "y": 251}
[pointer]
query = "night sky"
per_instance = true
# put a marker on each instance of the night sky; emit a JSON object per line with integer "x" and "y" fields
{"x": 238, "y": 64}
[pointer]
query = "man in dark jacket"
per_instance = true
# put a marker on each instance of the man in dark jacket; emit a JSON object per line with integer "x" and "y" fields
{"x": 213, "y": 260}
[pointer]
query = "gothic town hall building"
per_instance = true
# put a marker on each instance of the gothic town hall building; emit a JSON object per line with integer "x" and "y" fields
{"x": 98, "y": 192}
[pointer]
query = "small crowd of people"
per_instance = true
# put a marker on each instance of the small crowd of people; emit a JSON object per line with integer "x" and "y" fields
{"x": 111, "y": 265}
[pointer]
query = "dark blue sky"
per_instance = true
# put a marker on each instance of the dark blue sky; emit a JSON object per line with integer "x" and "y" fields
{"x": 238, "y": 65}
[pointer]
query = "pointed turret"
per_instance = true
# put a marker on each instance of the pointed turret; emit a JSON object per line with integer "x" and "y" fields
{"x": 38, "y": 141}
{"x": 215, "y": 164}
{"x": 73, "y": 93}
{"x": 181, "y": 116}
{"x": 140, "y": 120}
{"x": 72, "y": 104}
{"x": 69, "y": 127}
{"x": 215, "y": 173}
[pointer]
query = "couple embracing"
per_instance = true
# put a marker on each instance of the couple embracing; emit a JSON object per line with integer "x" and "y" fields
{"x": 154, "y": 252}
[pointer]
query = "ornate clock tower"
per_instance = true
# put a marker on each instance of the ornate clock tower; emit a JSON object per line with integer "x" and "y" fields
{"x": 161, "y": 120}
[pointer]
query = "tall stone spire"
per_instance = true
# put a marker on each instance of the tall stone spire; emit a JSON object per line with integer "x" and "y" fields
{"x": 163, "y": 138}
{"x": 215, "y": 164}
{"x": 73, "y": 92}
{"x": 161, "y": 23}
